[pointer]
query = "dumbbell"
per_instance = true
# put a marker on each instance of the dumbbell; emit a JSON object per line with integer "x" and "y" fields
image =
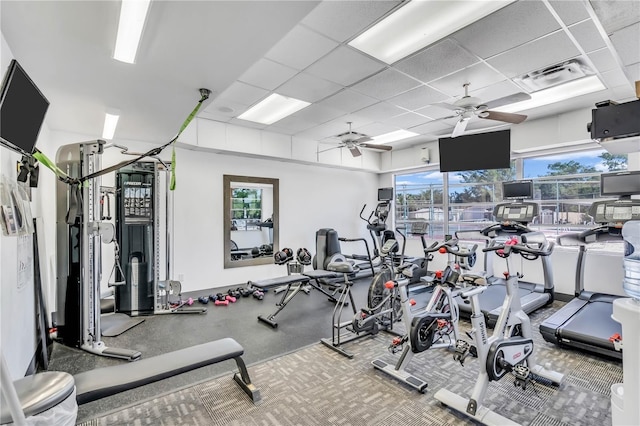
{"x": 203, "y": 299}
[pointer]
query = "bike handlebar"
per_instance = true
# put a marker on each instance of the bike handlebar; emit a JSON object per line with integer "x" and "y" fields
{"x": 543, "y": 249}
{"x": 452, "y": 247}
{"x": 501, "y": 225}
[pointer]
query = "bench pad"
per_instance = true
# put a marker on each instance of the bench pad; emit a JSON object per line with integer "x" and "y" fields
{"x": 102, "y": 382}
{"x": 287, "y": 279}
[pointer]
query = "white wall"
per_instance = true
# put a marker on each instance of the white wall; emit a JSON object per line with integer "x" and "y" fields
{"x": 17, "y": 318}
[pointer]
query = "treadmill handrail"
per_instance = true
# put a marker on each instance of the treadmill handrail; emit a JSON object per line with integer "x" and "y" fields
{"x": 601, "y": 233}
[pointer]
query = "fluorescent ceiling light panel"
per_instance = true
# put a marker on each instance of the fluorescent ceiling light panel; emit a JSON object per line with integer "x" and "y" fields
{"x": 419, "y": 24}
{"x": 398, "y": 135}
{"x": 275, "y": 107}
{"x": 133, "y": 14}
{"x": 555, "y": 94}
{"x": 110, "y": 124}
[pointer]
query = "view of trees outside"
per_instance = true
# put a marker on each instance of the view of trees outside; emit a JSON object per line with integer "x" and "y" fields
{"x": 566, "y": 185}
{"x": 246, "y": 208}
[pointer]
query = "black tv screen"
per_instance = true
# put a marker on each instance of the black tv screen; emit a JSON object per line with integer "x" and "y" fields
{"x": 385, "y": 194}
{"x": 22, "y": 109}
{"x": 517, "y": 189}
{"x": 476, "y": 152}
{"x": 620, "y": 183}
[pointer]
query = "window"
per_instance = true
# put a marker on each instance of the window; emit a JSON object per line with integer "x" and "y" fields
{"x": 565, "y": 185}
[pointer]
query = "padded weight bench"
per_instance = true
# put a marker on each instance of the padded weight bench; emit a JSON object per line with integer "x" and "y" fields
{"x": 102, "y": 382}
{"x": 291, "y": 285}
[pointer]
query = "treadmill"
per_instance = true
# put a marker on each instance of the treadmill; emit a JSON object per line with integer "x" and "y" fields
{"x": 512, "y": 218}
{"x": 585, "y": 322}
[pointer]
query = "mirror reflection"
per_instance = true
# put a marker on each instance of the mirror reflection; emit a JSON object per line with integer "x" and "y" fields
{"x": 250, "y": 220}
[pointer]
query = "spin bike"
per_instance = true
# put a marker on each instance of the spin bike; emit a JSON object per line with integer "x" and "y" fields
{"x": 435, "y": 327}
{"x": 510, "y": 349}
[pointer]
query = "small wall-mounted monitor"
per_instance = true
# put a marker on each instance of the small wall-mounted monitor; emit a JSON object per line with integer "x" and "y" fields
{"x": 517, "y": 190}
{"x": 385, "y": 194}
{"x": 620, "y": 184}
{"x": 480, "y": 151}
{"x": 22, "y": 110}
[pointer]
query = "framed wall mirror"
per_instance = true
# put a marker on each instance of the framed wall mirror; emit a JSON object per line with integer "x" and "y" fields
{"x": 250, "y": 220}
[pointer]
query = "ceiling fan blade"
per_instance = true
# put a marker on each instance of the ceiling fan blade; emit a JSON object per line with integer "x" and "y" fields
{"x": 372, "y": 146}
{"x": 638, "y": 88}
{"x": 507, "y": 117}
{"x": 329, "y": 149}
{"x": 446, "y": 106}
{"x": 355, "y": 151}
{"x": 363, "y": 139}
{"x": 460, "y": 127}
{"x": 511, "y": 99}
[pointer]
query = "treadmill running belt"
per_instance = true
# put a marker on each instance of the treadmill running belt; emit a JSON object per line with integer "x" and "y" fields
{"x": 493, "y": 297}
{"x": 592, "y": 325}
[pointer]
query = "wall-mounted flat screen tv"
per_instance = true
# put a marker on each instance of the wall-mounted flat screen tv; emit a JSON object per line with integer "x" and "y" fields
{"x": 480, "y": 151}
{"x": 517, "y": 190}
{"x": 620, "y": 183}
{"x": 22, "y": 110}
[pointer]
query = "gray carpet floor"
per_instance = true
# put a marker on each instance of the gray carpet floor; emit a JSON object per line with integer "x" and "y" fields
{"x": 317, "y": 386}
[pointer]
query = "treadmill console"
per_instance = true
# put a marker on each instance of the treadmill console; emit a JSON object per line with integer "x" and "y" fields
{"x": 521, "y": 212}
{"x": 615, "y": 213}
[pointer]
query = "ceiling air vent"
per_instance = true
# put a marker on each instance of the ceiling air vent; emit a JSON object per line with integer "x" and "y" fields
{"x": 553, "y": 75}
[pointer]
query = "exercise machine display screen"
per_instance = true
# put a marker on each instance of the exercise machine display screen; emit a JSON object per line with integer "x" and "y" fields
{"x": 515, "y": 212}
{"x": 385, "y": 194}
{"x": 621, "y": 183}
{"x": 615, "y": 211}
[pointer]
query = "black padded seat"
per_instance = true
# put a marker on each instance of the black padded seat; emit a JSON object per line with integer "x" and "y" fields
{"x": 319, "y": 274}
{"x": 342, "y": 267}
{"x": 102, "y": 382}
{"x": 39, "y": 393}
{"x": 287, "y": 279}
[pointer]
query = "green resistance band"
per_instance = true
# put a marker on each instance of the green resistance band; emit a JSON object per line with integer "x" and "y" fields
{"x": 44, "y": 160}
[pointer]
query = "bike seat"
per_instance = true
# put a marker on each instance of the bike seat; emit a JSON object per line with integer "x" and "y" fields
{"x": 474, "y": 279}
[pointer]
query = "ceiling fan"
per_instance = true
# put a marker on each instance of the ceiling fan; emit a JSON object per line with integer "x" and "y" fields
{"x": 469, "y": 107}
{"x": 354, "y": 141}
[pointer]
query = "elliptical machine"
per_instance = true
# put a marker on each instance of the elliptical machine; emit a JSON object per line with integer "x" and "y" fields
{"x": 510, "y": 349}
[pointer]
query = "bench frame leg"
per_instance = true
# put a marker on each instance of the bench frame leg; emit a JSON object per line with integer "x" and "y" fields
{"x": 244, "y": 381}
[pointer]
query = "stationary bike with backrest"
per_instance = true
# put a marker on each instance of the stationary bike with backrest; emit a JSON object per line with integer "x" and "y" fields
{"x": 434, "y": 327}
{"x": 510, "y": 349}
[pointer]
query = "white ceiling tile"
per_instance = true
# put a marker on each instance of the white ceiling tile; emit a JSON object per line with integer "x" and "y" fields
{"x": 380, "y": 111}
{"x": 616, "y": 14}
{"x": 243, "y": 94}
{"x": 300, "y": 48}
{"x": 341, "y": 20}
{"x": 226, "y": 108}
{"x": 624, "y": 93}
{"x": 318, "y": 114}
{"x": 614, "y": 78}
{"x": 376, "y": 129}
{"x": 404, "y": 121}
{"x": 325, "y": 130}
{"x": 603, "y": 60}
{"x": 267, "y": 74}
{"x": 348, "y": 100}
{"x": 436, "y": 61}
{"x": 291, "y": 125}
{"x": 479, "y": 75}
{"x": 627, "y": 43}
{"x": 507, "y": 28}
{"x": 215, "y": 116}
{"x": 386, "y": 84}
{"x": 546, "y": 51}
{"x": 570, "y": 11}
{"x": 356, "y": 119}
{"x": 496, "y": 91}
{"x": 433, "y": 112}
{"x": 587, "y": 35}
{"x": 417, "y": 98}
{"x": 345, "y": 66}
{"x": 432, "y": 128}
{"x": 633, "y": 71}
{"x": 308, "y": 88}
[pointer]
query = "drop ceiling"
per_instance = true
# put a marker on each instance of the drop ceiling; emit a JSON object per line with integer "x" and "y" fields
{"x": 245, "y": 50}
